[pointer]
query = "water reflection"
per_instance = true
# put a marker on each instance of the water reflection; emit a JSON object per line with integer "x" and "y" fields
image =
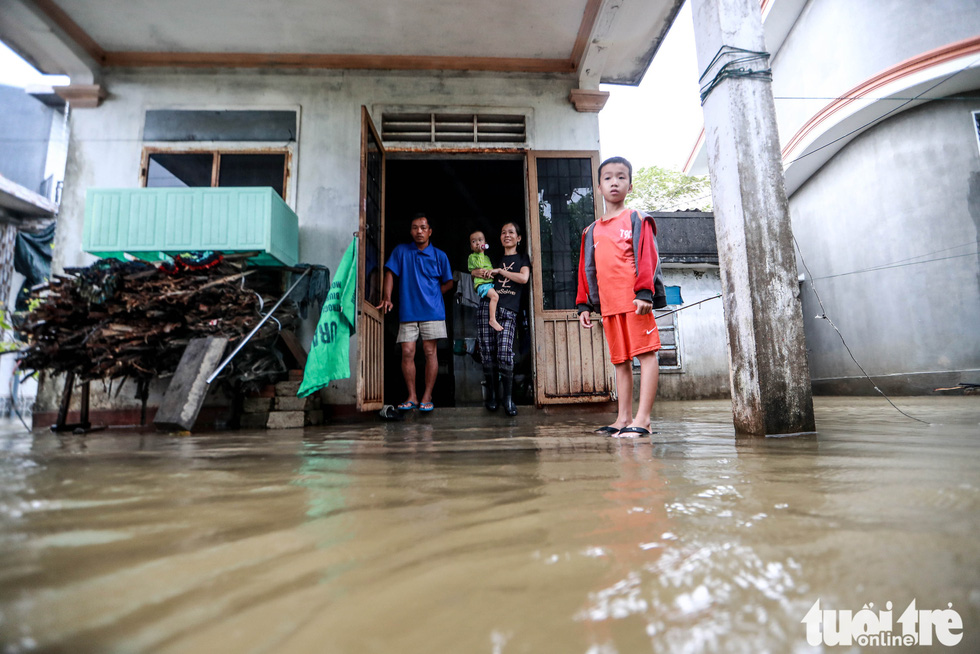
{"x": 460, "y": 534}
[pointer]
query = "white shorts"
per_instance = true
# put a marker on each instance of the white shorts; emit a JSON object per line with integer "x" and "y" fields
{"x": 429, "y": 330}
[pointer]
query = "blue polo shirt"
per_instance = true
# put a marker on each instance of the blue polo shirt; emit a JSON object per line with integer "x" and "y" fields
{"x": 420, "y": 274}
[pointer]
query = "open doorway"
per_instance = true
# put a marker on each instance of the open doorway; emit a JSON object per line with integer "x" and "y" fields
{"x": 458, "y": 195}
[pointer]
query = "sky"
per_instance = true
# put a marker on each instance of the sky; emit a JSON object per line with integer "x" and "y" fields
{"x": 657, "y": 122}
{"x": 14, "y": 71}
{"x": 653, "y": 124}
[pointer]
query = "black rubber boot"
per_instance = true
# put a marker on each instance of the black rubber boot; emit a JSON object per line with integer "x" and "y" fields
{"x": 506, "y": 397}
{"x": 491, "y": 383}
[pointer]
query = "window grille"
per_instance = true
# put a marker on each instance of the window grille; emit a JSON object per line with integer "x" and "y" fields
{"x": 670, "y": 353}
{"x": 453, "y": 128}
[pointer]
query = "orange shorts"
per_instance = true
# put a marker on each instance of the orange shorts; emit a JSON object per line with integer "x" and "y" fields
{"x": 629, "y": 335}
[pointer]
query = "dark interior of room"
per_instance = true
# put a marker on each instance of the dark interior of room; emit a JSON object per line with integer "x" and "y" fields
{"x": 458, "y": 196}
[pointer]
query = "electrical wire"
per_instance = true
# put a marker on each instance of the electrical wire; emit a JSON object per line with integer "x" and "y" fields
{"x": 899, "y": 265}
{"x": 824, "y": 316}
{"x": 734, "y": 69}
{"x": 686, "y": 306}
{"x": 917, "y": 256}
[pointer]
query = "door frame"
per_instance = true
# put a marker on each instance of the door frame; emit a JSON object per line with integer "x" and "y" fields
{"x": 571, "y": 364}
{"x": 370, "y": 322}
{"x": 592, "y": 384}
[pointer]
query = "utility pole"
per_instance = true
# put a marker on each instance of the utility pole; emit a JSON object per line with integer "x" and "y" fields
{"x": 770, "y": 377}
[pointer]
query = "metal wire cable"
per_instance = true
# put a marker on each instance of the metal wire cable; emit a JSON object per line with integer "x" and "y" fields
{"x": 901, "y": 264}
{"x": 824, "y": 316}
{"x": 734, "y": 68}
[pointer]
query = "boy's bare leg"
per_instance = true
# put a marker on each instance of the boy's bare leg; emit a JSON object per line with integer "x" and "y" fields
{"x": 649, "y": 379}
{"x": 492, "y": 294}
{"x": 431, "y": 369}
{"x": 408, "y": 370}
{"x": 624, "y": 391}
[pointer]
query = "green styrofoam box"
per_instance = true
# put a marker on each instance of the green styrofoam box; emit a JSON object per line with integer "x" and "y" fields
{"x": 151, "y": 223}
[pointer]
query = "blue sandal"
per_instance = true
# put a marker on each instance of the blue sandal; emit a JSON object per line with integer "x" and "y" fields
{"x": 425, "y": 407}
{"x": 407, "y": 406}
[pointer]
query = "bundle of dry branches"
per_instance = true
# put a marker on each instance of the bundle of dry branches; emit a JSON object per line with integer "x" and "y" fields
{"x": 132, "y": 319}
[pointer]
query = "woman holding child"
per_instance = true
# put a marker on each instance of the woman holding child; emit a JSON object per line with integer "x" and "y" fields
{"x": 497, "y": 347}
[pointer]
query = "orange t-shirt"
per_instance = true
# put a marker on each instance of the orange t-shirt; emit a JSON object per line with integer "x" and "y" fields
{"x": 614, "y": 263}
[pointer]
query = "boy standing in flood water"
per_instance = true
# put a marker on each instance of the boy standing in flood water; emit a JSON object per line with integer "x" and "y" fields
{"x": 619, "y": 278}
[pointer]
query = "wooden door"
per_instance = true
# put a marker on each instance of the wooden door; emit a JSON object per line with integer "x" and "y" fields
{"x": 370, "y": 269}
{"x": 571, "y": 364}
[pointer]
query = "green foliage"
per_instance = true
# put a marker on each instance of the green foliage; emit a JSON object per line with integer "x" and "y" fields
{"x": 661, "y": 189}
{"x": 6, "y": 327}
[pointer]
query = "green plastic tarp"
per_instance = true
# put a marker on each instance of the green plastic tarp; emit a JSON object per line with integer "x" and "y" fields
{"x": 329, "y": 357}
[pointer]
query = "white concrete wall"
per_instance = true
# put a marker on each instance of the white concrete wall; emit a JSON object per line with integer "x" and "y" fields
{"x": 701, "y": 334}
{"x": 904, "y": 198}
{"x": 106, "y": 143}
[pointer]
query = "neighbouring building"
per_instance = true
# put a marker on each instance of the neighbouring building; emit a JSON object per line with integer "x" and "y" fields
{"x": 694, "y": 360}
{"x": 878, "y": 107}
{"x": 33, "y": 147}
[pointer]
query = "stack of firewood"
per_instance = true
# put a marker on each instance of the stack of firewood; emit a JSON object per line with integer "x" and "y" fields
{"x": 118, "y": 319}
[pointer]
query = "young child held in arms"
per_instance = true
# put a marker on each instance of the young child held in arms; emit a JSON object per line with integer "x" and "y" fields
{"x": 619, "y": 278}
{"x": 483, "y": 286}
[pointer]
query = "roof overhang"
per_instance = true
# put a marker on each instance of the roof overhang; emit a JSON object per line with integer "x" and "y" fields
{"x": 18, "y": 202}
{"x": 939, "y": 73}
{"x": 943, "y": 72}
{"x": 600, "y": 41}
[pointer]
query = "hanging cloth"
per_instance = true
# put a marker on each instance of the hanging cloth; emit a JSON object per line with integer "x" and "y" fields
{"x": 329, "y": 357}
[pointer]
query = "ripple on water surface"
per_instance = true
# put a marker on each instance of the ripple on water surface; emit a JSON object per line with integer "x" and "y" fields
{"x": 530, "y": 537}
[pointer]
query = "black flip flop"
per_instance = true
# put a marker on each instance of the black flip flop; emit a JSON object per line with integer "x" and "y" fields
{"x": 606, "y": 430}
{"x": 638, "y": 431}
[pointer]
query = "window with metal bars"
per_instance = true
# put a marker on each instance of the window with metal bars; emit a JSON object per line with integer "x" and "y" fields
{"x": 431, "y": 127}
{"x": 669, "y": 355}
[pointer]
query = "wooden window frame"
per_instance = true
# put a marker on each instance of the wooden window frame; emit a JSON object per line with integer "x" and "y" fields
{"x": 217, "y": 150}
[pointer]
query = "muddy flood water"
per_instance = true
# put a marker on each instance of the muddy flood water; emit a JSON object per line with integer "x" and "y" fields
{"x": 467, "y": 532}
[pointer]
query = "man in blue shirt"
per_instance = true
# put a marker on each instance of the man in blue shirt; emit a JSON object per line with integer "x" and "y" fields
{"x": 423, "y": 277}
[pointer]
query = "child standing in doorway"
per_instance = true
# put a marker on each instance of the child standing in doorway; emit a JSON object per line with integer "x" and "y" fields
{"x": 478, "y": 260}
{"x": 619, "y": 278}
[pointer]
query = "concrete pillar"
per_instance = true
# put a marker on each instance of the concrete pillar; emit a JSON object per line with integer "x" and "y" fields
{"x": 767, "y": 353}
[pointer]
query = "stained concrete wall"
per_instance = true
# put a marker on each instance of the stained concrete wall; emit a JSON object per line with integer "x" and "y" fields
{"x": 106, "y": 142}
{"x": 701, "y": 337}
{"x": 890, "y": 230}
{"x": 837, "y": 44}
